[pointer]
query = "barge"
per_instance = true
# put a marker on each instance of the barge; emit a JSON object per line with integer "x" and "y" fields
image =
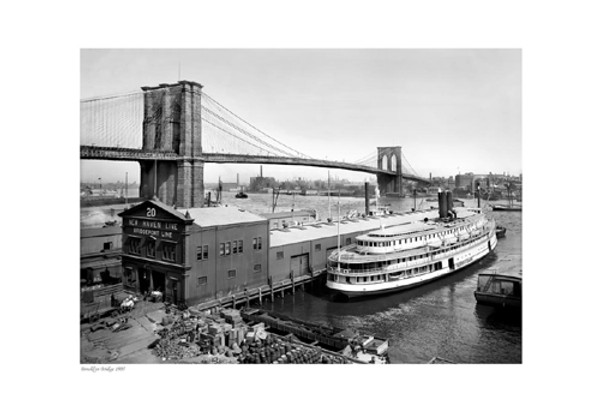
{"x": 362, "y": 348}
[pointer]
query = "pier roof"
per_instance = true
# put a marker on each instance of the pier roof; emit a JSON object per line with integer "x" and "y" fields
{"x": 306, "y": 233}
{"x": 214, "y": 216}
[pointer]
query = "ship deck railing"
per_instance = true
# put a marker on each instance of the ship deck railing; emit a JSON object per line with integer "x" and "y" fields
{"x": 402, "y": 265}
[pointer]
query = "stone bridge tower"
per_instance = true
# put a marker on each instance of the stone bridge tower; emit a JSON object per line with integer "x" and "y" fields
{"x": 172, "y": 123}
{"x": 390, "y": 159}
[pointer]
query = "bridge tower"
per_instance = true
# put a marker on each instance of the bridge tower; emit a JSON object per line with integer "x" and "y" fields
{"x": 172, "y": 123}
{"x": 390, "y": 159}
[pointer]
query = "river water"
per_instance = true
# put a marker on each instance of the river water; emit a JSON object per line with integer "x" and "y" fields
{"x": 440, "y": 319}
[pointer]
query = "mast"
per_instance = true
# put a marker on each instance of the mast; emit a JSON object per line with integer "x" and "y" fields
{"x": 328, "y": 194}
{"x": 126, "y": 188}
{"x": 338, "y": 228}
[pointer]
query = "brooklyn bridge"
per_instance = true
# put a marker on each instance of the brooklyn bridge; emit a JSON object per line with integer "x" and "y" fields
{"x": 172, "y": 130}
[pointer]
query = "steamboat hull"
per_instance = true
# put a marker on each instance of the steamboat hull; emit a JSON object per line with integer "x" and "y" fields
{"x": 484, "y": 248}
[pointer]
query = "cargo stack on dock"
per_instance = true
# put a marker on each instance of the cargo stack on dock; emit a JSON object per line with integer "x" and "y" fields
{"x": 224, "y": 336}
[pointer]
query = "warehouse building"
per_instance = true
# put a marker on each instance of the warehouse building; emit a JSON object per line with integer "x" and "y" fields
{"x": 193, "y": 255}
{"x": 303, "y": 250}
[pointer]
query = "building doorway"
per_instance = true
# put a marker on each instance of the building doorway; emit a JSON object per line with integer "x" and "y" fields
{"x": 144, "y": 280}
{"x": 158, "y": 281}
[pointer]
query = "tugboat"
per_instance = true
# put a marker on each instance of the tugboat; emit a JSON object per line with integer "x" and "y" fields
{"x": 241, "y": 194}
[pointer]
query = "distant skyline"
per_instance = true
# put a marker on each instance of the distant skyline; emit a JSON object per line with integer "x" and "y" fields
{"x": 452, "y": 111}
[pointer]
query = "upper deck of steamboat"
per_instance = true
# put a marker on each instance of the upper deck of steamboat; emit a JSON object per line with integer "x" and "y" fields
{"x": 414, "y": 238}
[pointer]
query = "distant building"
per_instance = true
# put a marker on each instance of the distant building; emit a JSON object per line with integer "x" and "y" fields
{"x": 100, "y": 260}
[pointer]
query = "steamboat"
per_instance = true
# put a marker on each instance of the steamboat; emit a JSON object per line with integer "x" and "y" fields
{"x": 409, "y": 254}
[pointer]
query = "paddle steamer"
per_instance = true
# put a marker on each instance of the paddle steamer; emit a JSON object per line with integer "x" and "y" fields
{"x": 413, "y": 253}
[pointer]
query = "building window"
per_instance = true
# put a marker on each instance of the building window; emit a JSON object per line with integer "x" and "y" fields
{"x": 227, "y": 248}
{"x": 279, "y": 255}
{"x": 202, "y": 252}
{"x": 168, "y": 252}
{"x": 348, "y": 241}
{"x": 240, "y": 246}
{"x": 254, "y": 242}
{"x": 135, "y": 246}
{"x": 231, "y": 273}
{"x": 257, "y": 243}
{"x": 202, "y": 280}
{"x": 318, "y": 247}
{"x": 107, "y": 246}
{"x": 234, "y": 248}
{"x": 151, "y": 248}
{"x": 257, "y": 268}
{"x": 222, "y": 249}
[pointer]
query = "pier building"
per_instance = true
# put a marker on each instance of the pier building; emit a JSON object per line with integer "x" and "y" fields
{"x": 193, "y": 255}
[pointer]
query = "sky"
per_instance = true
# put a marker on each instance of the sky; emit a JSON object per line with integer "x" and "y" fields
{"x": 451, "y": 110}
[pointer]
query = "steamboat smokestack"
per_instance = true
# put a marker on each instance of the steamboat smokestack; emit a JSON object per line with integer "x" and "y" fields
{"x": 442, "y": 205}
{"x": 449, "y": 201}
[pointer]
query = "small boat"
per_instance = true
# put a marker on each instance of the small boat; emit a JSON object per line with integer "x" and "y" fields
{"x": 500, "y": 231}
{"x": 507, "y": 208}
{"x": 499, "y": 289}
{"x": 241, "y": 194}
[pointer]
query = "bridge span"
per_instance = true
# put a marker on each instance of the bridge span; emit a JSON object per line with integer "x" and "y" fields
{"x": 181, "y": 125}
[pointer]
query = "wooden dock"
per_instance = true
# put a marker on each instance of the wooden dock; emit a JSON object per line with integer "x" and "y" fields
{"x": 243, "y": 298}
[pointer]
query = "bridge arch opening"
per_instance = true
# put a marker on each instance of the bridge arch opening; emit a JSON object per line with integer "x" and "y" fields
{"x": 384, "y": 162}
{"x": 393, "y": 162}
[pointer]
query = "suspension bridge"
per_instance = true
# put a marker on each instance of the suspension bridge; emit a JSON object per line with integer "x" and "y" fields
{"x": 172, "y": 130}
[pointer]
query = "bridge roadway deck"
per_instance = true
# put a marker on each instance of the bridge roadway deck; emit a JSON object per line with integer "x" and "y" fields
{"x": 133, "y": 154}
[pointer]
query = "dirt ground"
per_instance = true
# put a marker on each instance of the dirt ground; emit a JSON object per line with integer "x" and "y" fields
{"x": 129, "y": 346}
